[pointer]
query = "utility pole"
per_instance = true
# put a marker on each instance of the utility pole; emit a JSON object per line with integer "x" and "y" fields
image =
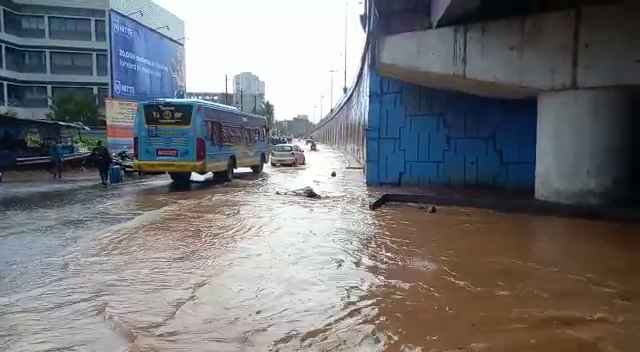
{"x": 241, "y": 101}
{"x": 331, "y": 72}
{"x": 321, "y": 103}
{"x": 346, "y": 19}
{"x": 255, "y": 103}
{"x": 226, "y": 90}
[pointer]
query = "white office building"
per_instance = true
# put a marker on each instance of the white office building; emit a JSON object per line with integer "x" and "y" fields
{"x": 53, "y": 47}
{"x": 248, "y": 91}
{"x": 248, "y": 83}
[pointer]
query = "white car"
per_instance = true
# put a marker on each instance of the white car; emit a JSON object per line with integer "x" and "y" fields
{"x": 287, "y": 154}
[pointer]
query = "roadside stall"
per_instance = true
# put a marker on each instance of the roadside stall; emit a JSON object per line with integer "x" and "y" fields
{"x": 26, "y": 143}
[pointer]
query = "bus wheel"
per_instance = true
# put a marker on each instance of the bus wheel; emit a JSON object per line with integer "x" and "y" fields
{"x": 228, "y": 176}
{"x": 258, "y": 168}
{"x": 180, "y": 177}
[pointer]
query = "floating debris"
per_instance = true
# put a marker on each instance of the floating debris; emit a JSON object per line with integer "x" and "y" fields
{"x": 429, "y": 208}
{"x": 302, "y": 192}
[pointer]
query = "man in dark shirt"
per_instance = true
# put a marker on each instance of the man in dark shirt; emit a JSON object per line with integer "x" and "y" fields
{"x": 103, "y": 162}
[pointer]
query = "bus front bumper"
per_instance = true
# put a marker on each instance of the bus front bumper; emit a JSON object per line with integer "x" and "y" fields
{"x": 170, "y": 166}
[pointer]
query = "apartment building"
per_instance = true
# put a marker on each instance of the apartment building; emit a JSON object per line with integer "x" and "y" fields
{"x": 248, "y": 91}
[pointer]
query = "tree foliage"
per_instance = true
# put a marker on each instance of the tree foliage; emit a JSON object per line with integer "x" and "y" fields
{"x": 75, "y": 108}
{"x": 268, "y": 111}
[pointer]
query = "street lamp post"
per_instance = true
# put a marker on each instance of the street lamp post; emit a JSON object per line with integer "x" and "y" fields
{"x": 331, "y": 72}
{"x": 314, "y": 111}
{"x": 321, "y": 103}
{"x": 346, "y": 19}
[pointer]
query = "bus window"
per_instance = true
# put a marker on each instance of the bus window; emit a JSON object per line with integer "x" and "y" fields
{"x": 216, "y": 134}
{"x": 168, "y": 114}
{"x": 255, "y": 135}
{"x": 231, "y": 134}
{"x": 246, "y": 135}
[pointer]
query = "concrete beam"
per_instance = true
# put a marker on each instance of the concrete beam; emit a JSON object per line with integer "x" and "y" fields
{"x": 446, "y": 11}
{"x": 593, "y": 47}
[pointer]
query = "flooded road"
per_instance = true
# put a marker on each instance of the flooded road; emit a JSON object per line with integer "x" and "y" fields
{"x": 237, "y": 267}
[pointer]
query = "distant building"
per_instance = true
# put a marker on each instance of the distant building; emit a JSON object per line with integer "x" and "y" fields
{"x": 248, "y": 92}
{"x": 300, "y": 125}
{"x": 248, "y": 83}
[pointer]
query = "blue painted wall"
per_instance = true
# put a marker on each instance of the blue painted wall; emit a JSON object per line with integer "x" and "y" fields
{"x": 422, "y": 136}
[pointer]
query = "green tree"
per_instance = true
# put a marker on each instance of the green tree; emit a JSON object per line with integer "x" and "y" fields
{"x": 75, "y": 108}
{"x": 268, "y": 111}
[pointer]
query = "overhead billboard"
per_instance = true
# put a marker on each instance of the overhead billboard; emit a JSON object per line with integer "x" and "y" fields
{"x": 144, "y": 63}
{"x": 121, "y": 116}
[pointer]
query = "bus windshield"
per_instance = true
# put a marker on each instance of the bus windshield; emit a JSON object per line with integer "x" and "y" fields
{"x": 168, "y": 114}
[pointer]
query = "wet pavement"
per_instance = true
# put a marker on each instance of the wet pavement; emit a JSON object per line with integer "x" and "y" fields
{"x": 146, "y": 266}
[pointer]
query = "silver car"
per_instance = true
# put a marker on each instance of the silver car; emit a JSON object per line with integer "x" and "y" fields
{"x": 287, "y": 154}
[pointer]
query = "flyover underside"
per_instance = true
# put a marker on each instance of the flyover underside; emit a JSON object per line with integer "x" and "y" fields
{"x": 573, "y": 146}
{"x": 575, "y": 49}
{"x": 520, "y": 103}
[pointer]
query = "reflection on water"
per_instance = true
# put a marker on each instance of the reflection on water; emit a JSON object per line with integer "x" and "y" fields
{"x": 237, "y": 267}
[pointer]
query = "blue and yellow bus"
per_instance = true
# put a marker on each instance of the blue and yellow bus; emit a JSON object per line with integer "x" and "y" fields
{"x": 181, "y": 136}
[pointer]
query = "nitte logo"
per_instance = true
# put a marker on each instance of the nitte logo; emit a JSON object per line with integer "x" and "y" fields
{"x": 120, "y": 88}
{"x": 121, "y": 28}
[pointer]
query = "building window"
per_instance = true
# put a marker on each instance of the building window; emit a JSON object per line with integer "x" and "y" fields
{"x": 103, "y": 93}
{"x": 23, "y": 25}
{"x": 101, "y": 31}
{"x": 27, "y": 96}
{"x": 102, "y": 64}
{"x": 53, "y": 10}
{"x": 69, "y": 28}
{"x": 28, "y": 61}
{"x": 71, "y": 63}
{"x": 2, "y": 93}
{"x": 59, "y": 92}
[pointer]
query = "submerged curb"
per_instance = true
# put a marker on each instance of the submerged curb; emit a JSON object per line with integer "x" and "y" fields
{"x": 352, "y": 162}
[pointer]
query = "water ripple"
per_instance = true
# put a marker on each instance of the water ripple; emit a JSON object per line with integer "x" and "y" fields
{"x": 149, "y": 267}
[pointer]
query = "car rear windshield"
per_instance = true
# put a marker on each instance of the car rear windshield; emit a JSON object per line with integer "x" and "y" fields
{"x": 168, "y": 114}
{"x": 283, "y": 148}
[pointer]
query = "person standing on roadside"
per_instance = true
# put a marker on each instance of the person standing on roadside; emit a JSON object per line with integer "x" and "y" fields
{"x": 103, "y": 162}
{"x": 57, "y": 159}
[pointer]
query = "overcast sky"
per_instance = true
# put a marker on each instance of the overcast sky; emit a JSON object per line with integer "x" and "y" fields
{"x": 291, "y": 44}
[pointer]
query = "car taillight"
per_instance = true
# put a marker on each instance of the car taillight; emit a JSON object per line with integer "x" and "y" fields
{"x": 201, "y": 149}
{"x": 135, "y": 148}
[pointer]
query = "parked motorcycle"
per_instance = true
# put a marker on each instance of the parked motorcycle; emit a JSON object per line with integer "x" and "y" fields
{"x": 125, "y": 161}
{"x": 313, "y": 146}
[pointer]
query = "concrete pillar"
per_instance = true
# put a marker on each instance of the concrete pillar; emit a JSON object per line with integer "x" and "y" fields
{"x": 583, "y": 149}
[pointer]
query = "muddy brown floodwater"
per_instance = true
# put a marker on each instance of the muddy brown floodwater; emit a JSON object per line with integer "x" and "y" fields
{"x": 240, "y": 268}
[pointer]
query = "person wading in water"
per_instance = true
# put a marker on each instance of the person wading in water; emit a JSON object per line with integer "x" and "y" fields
{"x": 102, "y": 162}
{"x": 57, "y": 159}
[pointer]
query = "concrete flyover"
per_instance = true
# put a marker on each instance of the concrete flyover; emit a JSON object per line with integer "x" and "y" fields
{"x": 536, "y": 95}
